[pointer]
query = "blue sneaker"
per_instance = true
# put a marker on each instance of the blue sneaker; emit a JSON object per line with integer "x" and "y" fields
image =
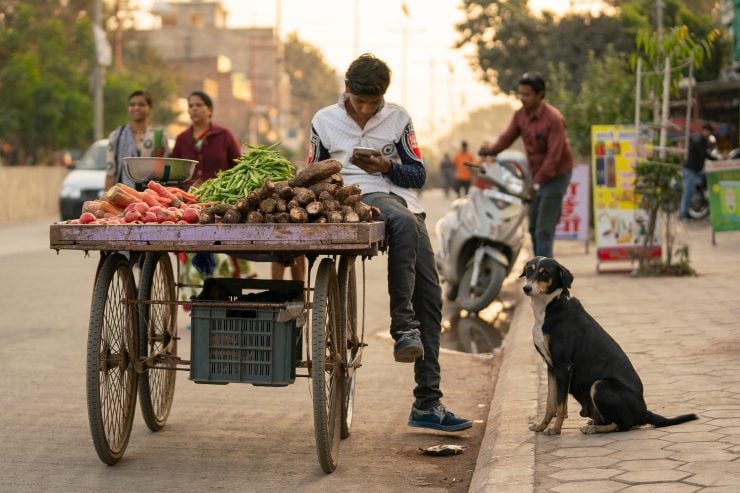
{"x": 408, "y": 346}
{"x": 437, "y": 418}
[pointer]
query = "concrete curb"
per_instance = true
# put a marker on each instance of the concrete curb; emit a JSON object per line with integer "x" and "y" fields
{"x": 506, "y": 457}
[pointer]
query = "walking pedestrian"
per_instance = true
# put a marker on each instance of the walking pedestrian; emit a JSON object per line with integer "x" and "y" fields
{"x": 362, "y": 118}
{"x": 137, "y": 138}
{"x": 215, "y": 148}
{"x": 542, "y": 129}
{"x": 699, "y": 150}
{"x": 447, "y": 169}
{"x": 463, "y": 173}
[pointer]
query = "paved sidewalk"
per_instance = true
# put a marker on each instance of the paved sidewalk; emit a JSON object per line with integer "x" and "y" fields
{"x": 683, "y": 337}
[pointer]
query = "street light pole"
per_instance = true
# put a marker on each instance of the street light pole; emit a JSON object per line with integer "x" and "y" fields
{"x": 98, "y": 81}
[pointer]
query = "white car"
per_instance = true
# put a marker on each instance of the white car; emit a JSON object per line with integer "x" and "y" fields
{"x": 85, "y": 182}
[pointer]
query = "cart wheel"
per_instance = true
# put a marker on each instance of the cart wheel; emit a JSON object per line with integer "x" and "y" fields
{"x": 348, "y": 328}
{"x": 111, "y": 352}
{"x": 326, "y": 366}
{"x": 157, "y": 331}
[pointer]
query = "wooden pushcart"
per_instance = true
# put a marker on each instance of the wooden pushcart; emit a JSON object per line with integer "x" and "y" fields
{"x": 132, "y": 339}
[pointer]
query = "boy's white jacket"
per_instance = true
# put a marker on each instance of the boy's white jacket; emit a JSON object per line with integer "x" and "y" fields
{"x": 390, "y": 131}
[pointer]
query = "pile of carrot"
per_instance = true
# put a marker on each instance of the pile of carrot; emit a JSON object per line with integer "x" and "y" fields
{"x": 157, "y": 204}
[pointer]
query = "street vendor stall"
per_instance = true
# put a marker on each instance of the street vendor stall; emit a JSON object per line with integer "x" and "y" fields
{"x": 254, "y": 331}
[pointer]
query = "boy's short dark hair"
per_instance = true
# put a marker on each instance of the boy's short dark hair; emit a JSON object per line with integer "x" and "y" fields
{"x": 533, "y": 80}
{"x": 368, "y": 76}
{"x": 707, "y": 126}
{"x": 141, "y": 92}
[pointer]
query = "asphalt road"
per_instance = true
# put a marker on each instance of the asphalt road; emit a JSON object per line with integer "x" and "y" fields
{"x": 218, "y": 438}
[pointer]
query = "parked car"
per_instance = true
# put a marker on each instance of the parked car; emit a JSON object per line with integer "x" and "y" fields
{"x": 85, "y": 182}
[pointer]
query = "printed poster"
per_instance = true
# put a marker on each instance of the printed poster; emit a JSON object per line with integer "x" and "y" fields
{"x": 620, "y": 225}
{"x": 723, "y": 181}
{"x": 574, "y": 221}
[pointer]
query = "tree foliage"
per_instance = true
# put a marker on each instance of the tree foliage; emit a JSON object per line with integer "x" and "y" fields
{"x": 683, "y": 20}
{"x": 314, "y": 84}
{"x": 606, "y": 97}
{"x": 45, "y": 81}
{"x": 509, "y": 40}
{"x": 46, "y": 64}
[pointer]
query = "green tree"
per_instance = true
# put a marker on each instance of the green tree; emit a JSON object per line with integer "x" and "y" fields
{"x": 654, "y": 177}
{"x": 693, "y": 16}
{"x": 313, "y": 83}
{"x": 509, "y": 40}
{"x": 45, "y": 78}
{"x": 506, "y": 38}
{"x": 46, "y": 62}
{"x": 606, "y": 96}
{"x": 142, "y": 68}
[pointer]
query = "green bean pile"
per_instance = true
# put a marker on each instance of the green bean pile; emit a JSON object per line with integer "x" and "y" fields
{"x": 250, "y": 172}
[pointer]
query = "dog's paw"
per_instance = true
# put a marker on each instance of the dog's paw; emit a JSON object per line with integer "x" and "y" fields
{"x": 552, "y": 431}
{"x": 589, "y": 429}
{"x": 536, "y": 427}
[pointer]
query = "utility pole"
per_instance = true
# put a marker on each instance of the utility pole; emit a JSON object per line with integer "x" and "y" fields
{"x": 278, "y": 71}
{"x": 356, "y": 37}
{"x": 98, "y": 78}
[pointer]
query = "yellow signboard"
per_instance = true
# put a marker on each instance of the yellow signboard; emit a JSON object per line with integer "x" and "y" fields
{"x": 619, "y": 224}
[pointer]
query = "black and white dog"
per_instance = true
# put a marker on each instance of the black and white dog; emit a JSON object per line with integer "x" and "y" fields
{"x": 582, "y": 359}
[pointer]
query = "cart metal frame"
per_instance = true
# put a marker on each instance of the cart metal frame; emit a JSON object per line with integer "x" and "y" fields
{"x": 132, "y": 337}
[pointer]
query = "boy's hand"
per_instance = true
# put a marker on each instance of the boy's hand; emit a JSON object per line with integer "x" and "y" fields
{"x": 374, "y": 163}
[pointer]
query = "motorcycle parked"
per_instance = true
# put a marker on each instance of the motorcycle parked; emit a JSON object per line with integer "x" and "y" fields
{"x": 481, "y": 236}
{"x": 699, "y": 205}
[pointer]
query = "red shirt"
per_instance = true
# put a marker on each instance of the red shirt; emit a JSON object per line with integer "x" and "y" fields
{"x": 545, "y": 141}
{"x": 218, "y": 151}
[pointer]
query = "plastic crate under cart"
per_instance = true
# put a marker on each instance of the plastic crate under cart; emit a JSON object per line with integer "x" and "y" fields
{"x": 258, "y": 345}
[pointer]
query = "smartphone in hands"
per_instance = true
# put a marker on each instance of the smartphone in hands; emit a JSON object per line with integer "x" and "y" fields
{"x": 363, "y": 151}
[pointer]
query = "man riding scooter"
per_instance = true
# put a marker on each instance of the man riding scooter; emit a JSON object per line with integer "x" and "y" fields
{"x": 701, "y": 146}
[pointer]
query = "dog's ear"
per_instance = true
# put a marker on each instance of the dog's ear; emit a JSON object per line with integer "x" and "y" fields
{"x": 566, "y": 277}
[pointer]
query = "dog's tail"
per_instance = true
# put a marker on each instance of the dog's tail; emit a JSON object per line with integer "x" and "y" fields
{"x": 659, "y": 421}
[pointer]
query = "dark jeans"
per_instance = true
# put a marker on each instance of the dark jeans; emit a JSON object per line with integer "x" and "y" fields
{"x": 691, "y": 179}
{"x": 462, "y": 187}
{"x": 544, "y": 213}
{"x": 413, "y": 286}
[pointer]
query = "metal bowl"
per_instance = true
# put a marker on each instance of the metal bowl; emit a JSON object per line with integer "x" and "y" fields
{"x": 166, "y": 169}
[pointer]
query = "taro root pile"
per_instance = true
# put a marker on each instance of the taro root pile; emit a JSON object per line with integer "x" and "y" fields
{"x": 315, "y": 195}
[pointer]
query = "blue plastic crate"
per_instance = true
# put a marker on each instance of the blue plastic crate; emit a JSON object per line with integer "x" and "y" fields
{"x": 243, "y": 345}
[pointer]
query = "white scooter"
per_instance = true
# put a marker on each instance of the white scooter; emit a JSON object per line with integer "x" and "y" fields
{"x": 480, "y": 237}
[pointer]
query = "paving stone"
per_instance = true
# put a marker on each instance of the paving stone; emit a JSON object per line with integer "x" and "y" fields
{"x": 642, "y": 454}
{"x": 583, "y": 462}
{"x": 590, "y": 487}
{"x": 653, "y": 476}
{"x": 725, "y": 422}
{"x": 589, "y": 473}
{"x": 647, "y": 444}
{"x": 703, "y": 456}
{"x": 693, "y": 437}
{"x": 716, "y": 467}
{"x": 661, "y": 488}
{"x": 582, "y": 452}
{"x": 644, "y": 465}
{"x": 699, "y": 446}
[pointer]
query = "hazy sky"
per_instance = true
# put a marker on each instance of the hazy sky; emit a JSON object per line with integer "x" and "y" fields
{"x": 430, "y": 78}
{"x": 433, "y": 94}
